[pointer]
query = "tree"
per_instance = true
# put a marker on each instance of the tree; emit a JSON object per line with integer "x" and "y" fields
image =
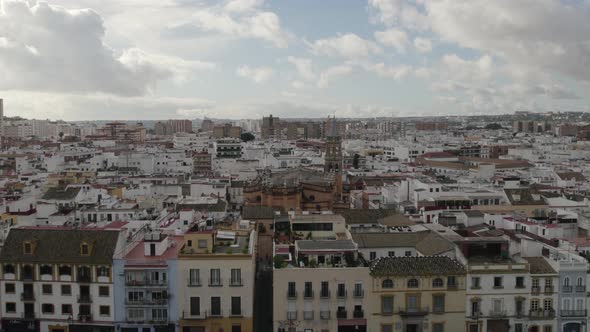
{"x": 279, "y": 262}
{"x": 61, "y": 135}
{"x": 247, "y": 137}
{"x": 355, "y": 161}
{"x": 493, "y": 126}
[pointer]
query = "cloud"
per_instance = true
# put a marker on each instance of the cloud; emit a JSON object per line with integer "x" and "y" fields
{"x": 258, "y": 24}
{"x": 328, "y": 75}
{"x": 50, "y": 48}
{"x": 242, "y": 5}
{"x": 423, "y": 45}
{"x": 395, "y": 72}
{"x": 256, "y": 74}
{"x": 393, "y": 37}
{"x": 348, "y": 46}
{"x": 303, "y": 66}
{"x": 518, "y": 31}
{"x": 406, "y": 13}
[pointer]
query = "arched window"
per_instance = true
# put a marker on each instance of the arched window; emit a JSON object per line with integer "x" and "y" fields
{"x": 387, "y": 283}
{"x": 566, "y": 281}
{"x": 65, "y": 270}
{"x": 580, "y": 282}
{"x": 437, "y": 282}
{"x": 8, "y": 268}
{"x": 45, "y": 269}
{"x": 413, "y": 283}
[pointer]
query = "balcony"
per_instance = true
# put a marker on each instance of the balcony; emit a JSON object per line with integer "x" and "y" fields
{"x": 236, "y": 283}
{"x": 535, "y": 290}
{"x": 358, "y": 293}
{"x": 324, "y": 315}
{"x": 308, "y": 294}
{"x": 413, "y": 311}
{"x": 85, "y": 298}
{"x": 27, "y": 296}
{"x": 580, "y": 289}
{"x": 215, "y": 282}
{"x": 572, "y": 313}
{"x": 292, "y": 295}
{"x": 542, "y": 314}
{"x": 142, "y": 302}
{"x": 452, "y": 287}
{"x": 325, "y": 294}
{"x": 84, "y": 278}
{"x": 438, "y": 309}
{"x": 146, "y": 283}
{"x": 194, "y": 315}
{"x": 291, "y": 315}
{"x": 341, "y": 294}
{"x": 158, "y": 321}
{"x": 341, "y": 314}
{"x": 566, "y": 289}
{"x": 549, "y": 290}
{"x": 27, "y": 277}
{"x": 28, "y": 315}
{"x": 308, "y": 315}
{"x": 85, "y": 317}
{"x": 358, "y": 314}
{"x": 497, "y": 313}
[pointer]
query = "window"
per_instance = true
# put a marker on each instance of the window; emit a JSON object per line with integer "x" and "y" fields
{"x": 10, "y": 307}
{"x": 518, "y": 327}
{"x": 391, "y": 254}
{"x": 519, "y": 282}
{"x": 215, "y": 277}
{"x": 438, "y": 327}
{"x": 341, "y": 290}
{"x": 547, "y": 304}
{"x": 159, "y": 315}
{"x": 413, "y": 283}
{"x": 45, "y": 270}
{"x": 189, "y": 243}
{"x": 438, "y": 303}
{"x": 534, "y": 305}
{"x": 47, "y": 308}
{"x": 387, "y": 305}
{"x": 534, "y": 283}
{"x": 579, "y": 282}
{"x": 236, "y": 277}
{"x": 475, "y": 283}
{"x": 236, "y": 328}
{"x": 358, "y": 289}
{"x": 202, "y": 244}
{"x": 498, "y": 282}
{"x": 451, "y": 281}
{"x": 194, "y": 277}
{"x": 547, "y": 328}
{"x": 437, "y": 283}
{"x": 216, "y": 306}
{"x": 308, "y": 290}
{"x": 102, "y": 271}
{"x": 66, "y": 290}
{"x": 475, "y": 309}
{"x": 387, "y": 283}
{"x": 135, "y": 314}
{"x": 134, "y": 296}
{"x": 65, "y": 270}
{"x": 408, "y": 253}
{"x": 103, "y": 291}
{"x": 386, "y": 328}
{"x": 104, "y": 310}
{"x": 548, "y": 282}
{"x": 66, "y": 309}
{"x": 47, "y": 289}
{"x": 195, "y": 306}
{"x": 236, "y": 306}
{"x": 9, "y": 288}
{"x": 28, "y": 248}
{"x": 372, "y": 255}
{"x": 324, "y": 289}
{"x": 9, "y": 268}
{"x": 84, "y": 249}
{"x": 566, "y": 282}
{"x": 291, "y": 289}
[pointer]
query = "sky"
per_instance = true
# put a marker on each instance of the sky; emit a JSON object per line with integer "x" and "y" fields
{"x": 167, "y": 59}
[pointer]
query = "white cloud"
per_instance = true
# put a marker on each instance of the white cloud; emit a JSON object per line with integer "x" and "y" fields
{"x": 393, "y": 37}
{"x": 328, "y": 75}
{"x": 423, "y": 45}
{"x": 405, "y": 13}
{"x": 349, "y": 46}
{"x": 395, "y": 72}
{"x": 303, "y": 66}
{"x": 519, "y": 32}
{"x": 256, "y": 74}
{"x": 260, "y": 25}
{"x": 49, "y": 48}
{"x": 242, "y": 5}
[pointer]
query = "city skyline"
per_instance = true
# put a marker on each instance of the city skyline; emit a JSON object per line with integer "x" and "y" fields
{"x": 140, "y": 59}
